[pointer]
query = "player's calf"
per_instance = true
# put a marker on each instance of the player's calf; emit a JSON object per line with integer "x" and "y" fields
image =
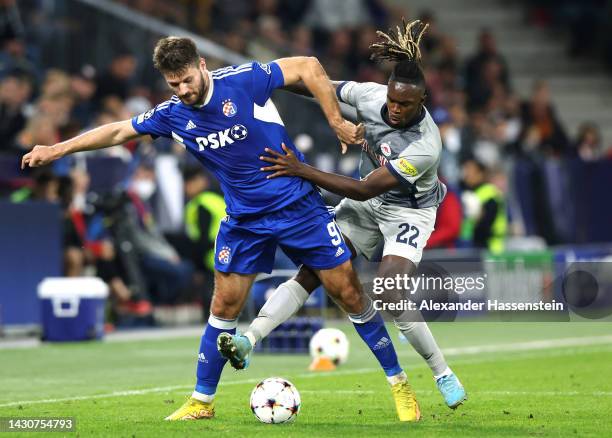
{"x": 343, "y": 286}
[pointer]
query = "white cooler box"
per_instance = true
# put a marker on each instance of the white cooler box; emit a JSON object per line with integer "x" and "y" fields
{"x": 72, "y": 308}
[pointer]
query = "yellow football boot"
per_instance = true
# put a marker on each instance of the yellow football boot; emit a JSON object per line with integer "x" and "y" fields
{"x": 405, "y": 402}
{"x": 193, "y": 409}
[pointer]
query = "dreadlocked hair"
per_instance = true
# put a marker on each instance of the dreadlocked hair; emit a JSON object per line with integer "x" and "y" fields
{"x": 401, "y": 45}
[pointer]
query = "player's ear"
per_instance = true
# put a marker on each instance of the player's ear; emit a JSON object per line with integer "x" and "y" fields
{"x": 202, "y": 64}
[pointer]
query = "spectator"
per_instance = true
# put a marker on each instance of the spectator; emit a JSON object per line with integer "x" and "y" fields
{"x": 484, "y": 69}
{"x": 84, "y": 247}
{"x": 541, "y": 129}
{"x": 485, "y": 223}
{"x": 11, "y": 26}
{"x": 116, "y": 80}
{"x": 204, "y": 212}
{"x": 448, "y": 223}
{"x": 452, "y": 128}
{"x": 15, "y": 91}
{"x": 13, "y": 57}
{"x": 83, "y": 86}
{"x": 40, "y": 129}
{"x": 166, "y": 273}
{"x": 588, "y": 143}
{"x": 478, "y": 139}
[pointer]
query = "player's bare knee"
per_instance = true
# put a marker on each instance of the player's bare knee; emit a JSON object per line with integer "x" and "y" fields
{"x": 225, "y": 305}
{"x": 224, "y": 312}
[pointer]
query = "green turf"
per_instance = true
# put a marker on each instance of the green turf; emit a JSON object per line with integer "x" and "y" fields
{"x": 562, "y": 391}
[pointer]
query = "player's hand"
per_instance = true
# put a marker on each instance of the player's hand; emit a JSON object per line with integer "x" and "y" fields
{"x": 283, "y": 164}
{"x": 349, "y": 133}
{"x": 39, "y": 156}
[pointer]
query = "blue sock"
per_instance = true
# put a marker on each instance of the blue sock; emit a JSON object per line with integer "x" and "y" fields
{"x": 375, "y": 335}
{"x": 210, "y": 361}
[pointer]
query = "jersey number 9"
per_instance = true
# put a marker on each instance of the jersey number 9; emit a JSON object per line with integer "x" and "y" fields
{"x": 334, "y": 233}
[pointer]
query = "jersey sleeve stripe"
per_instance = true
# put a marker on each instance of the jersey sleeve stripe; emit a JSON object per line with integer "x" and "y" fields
{"x": 232, "y": 73}
{"x": 339, "y": 91}
{"x": 405, "y": 183}
{"x": 245, "y": 67}
{"x": 399, "y": 177}
{"x": 230, "y": 67}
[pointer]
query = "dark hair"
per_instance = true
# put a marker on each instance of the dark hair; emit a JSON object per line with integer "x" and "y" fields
{"x": 192, "y": 172}
{"x": 175, "y": 54}
{"x": 402, "y": 46}
{"x": 408, "y": 72}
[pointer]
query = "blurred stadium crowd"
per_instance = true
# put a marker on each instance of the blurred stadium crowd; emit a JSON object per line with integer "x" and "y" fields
{"x": 143, "y": 216}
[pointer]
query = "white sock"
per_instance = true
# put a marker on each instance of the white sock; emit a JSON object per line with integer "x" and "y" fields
{"x": 203, "y": 397}
{"x": 286, "y": 300}
{"x": 421, "y": 339}
{"x": 401, "y": 377}
{"x": 446, "y": 372}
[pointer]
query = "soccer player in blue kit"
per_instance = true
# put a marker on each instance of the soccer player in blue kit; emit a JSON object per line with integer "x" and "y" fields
{"x": 226, "y": 119}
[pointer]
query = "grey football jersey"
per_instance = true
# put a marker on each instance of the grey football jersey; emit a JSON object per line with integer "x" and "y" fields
{"x": 411, "y": 154}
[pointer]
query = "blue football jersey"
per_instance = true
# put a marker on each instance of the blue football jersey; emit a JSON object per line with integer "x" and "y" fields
{"x": 228, "y": 134}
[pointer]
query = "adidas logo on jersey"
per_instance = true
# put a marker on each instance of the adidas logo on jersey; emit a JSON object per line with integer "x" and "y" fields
{"x": 383, "y": 343}
{"x": 190, "y": 125}
{"x": 339, "y": 252}
{"x": 202, "y": 358}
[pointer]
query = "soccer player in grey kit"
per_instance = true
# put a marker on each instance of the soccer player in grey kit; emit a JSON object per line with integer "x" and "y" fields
{"x": 396, "y": 198}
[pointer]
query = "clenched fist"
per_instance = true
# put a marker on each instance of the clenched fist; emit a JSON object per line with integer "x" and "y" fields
{"x": 349, "y": 133}
{"x": 39, "y": 156}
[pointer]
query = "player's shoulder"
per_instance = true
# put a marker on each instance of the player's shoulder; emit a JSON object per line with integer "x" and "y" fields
{"x": 367, "y": 97}
{"x": 430, "y": 128}
{"x": 170, "y": 105}
{"x": 161, "y": 110}
{"x": 234, "y": 74}
{"x": 364, "y": 88}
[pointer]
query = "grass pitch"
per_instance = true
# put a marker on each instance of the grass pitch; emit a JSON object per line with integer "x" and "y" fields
{"x": 523, "y": 379}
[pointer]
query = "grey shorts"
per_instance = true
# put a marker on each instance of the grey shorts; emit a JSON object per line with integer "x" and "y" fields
{"x": 405, "y": 230}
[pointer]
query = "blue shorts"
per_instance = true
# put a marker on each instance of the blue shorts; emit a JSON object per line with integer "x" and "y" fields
{"x": 305, "y": 230}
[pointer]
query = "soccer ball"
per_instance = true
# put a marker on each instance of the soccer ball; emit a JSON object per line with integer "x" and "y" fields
{"x": 331, "y": 343}
{"x": 238, "y": 132}
{"x": 275, "y": 400}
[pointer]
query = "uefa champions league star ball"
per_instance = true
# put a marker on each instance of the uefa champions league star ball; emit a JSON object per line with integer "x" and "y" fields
{"x": 275, "y": 400}
{"x": 331, "y": 343}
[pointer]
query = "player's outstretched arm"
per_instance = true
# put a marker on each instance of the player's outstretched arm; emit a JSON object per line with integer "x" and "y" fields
{"x": 308, "y": 70}
{"x": 104, "y": 136}
{"x": 376, "y": 183}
